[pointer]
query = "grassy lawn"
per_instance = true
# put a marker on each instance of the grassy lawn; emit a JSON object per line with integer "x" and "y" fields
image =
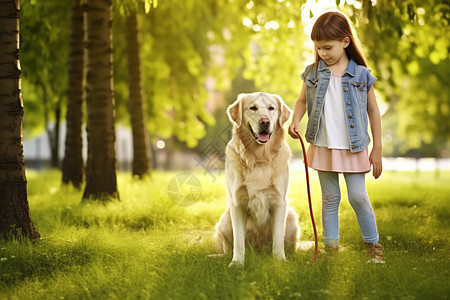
{"x": 146, "y": 247}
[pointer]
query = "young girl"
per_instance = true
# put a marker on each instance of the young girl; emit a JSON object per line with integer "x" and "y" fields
{"x": 338, "y": 93}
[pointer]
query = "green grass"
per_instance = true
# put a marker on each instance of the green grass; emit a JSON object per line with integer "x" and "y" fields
{"x": 145, "y": 247}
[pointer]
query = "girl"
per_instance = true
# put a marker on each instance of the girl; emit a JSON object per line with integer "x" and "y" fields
{"x": 338, "y": 93}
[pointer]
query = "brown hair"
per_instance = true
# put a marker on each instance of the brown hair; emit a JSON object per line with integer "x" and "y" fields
{"x": 335, "y": 26}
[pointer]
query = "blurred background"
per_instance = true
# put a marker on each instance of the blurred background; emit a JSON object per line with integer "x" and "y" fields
{"x": 195, "y": 57}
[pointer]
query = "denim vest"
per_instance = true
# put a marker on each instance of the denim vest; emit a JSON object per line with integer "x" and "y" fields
{"x": 356, "y": 82}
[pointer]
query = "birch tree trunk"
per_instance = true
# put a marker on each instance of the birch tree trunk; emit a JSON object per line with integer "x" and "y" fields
{"x": 101, "y": 182}
{"x": 141, "y": 153}
{"x": 15, "y": 219}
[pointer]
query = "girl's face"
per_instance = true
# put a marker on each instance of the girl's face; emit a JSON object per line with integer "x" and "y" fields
{"x": 331, "y": 51}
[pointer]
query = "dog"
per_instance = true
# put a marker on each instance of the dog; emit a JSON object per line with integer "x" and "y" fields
{"x": 257, "y": 176}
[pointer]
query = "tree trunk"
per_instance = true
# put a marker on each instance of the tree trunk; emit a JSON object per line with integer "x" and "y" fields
{"x": 141, "y": 153}
{"x": 101, "y": 182}
{"x": 15, "y": 219}
{"x": 72, "y": 166}
{"x": 53, "y": 135}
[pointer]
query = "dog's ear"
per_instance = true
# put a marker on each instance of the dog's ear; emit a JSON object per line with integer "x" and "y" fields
{"x": 285, "y": 111}
{"x": 234, "y": 111}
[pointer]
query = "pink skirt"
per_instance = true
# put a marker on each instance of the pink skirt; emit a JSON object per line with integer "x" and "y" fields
{"x": 338, "y": 160}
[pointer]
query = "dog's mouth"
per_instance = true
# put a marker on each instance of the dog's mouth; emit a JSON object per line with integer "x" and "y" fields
{"x": 262, "y": 137}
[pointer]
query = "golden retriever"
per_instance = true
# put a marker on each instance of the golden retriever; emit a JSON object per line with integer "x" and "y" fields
{"x": 257, "y": 176}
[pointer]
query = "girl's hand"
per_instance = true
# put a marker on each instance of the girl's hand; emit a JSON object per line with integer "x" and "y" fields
{"x": 299, "y": 111}
{"x": 376, "y": 162}
{"x": 375, "y": 125}
{"x": 293, "y": 131}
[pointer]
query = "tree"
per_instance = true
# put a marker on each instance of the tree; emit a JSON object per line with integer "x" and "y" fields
{"x": 141, "y": 153}
{"x": 72, "y": 166}
{"x": 15, "y": 216}
{"x": 101, "y": 181}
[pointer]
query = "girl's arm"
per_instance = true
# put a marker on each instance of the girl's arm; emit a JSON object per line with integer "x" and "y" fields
{"x": 375, "y": 126}
{"x": 299, "y": 111}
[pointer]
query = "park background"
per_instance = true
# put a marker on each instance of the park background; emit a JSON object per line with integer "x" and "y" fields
{"x": 172, "y": 67}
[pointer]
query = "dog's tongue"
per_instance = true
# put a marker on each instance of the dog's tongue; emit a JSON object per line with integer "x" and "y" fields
{"x": 263, "y": 137}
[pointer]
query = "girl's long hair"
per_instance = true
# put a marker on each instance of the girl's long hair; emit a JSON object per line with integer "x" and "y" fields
{"x": 334, "y": 26}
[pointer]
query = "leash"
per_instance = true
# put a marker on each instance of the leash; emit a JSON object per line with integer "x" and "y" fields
{"x": 311, "y": 213}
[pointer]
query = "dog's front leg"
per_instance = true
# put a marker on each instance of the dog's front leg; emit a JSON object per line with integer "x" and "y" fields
{"x": 278, "y": 224}
{"x": 239, "y": 223}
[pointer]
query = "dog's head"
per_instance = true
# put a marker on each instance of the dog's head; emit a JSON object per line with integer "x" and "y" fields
{"x": 259, "y": 113}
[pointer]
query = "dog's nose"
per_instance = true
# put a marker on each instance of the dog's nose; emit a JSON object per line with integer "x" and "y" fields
{"x": 264, "y": 122}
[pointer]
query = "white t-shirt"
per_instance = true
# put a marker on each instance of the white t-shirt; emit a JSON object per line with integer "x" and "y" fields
{"x": 333, "y": 132}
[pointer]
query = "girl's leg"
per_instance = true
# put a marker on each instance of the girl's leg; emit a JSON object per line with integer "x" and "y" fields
{"x": 331, "y": 198}
{"x": 359, "y": 200}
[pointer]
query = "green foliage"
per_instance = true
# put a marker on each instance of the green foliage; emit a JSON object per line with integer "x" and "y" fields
{"x": 174, "y": 59}
{"x": 276, "y": 57}
{"x": 124, "y": 7}
{"x": 408, "y": 43}
{"x": 44, "y": 32}
{"x": 175, "y": 56}
{"x": 261, "y": 41}
{"x": 145, "y": 247}
{"x": 121, "y": 92}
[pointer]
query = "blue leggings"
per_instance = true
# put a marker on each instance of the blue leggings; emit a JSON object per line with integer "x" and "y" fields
{"x": 359, "y": 200}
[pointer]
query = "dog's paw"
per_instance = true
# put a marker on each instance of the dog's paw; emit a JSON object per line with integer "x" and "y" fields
{"x": 236, "y": 264}
{"x": 280, "y": 260}
{"x": 279, "y": 256}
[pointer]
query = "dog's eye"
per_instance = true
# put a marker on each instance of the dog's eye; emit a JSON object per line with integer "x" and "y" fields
{"x": 253, "y": 107}
{"x": 271, "y": 108}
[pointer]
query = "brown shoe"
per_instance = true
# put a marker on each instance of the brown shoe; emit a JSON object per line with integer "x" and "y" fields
{"x": 331, "y": 250}
{"x": 375, "y": 253}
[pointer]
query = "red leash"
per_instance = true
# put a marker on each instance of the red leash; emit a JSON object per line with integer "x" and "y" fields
{"x": 316, "y": 243}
